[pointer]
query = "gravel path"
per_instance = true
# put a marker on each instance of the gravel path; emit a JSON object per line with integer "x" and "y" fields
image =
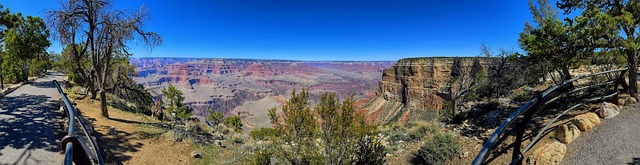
{"x": 28, "y": 122}
{"x": 615, "y": 141}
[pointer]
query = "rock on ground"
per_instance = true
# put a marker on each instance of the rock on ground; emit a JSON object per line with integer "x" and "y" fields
{"x": 586, "y": 121}
{"x": 567, "y": 133}
{"x": 608, "y": 110}
{"x": 552, "y": 153}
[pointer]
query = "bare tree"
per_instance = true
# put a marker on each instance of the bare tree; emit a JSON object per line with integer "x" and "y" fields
{"x": 463, "y": 80}
{"x": 103, "y": 33}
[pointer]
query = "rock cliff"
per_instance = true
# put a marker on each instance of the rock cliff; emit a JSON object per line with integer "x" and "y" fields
{"x": 416, "y": 88}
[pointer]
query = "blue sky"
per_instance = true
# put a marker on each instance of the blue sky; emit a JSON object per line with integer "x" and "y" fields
{"x": 320, "y": 29}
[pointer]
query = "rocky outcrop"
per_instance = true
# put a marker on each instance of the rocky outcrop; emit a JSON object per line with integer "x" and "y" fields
{"x": 420, "y": 84}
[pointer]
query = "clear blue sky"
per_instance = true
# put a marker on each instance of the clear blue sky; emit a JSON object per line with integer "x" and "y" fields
{"x": 320, "y": 29}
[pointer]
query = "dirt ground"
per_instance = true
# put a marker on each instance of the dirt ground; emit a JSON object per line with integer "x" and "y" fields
{"x": 134, "y": 140}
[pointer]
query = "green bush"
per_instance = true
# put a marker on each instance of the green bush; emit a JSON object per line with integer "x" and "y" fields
{"x": 237, "y": 138}
{"x": 412, "y": 131}
{"x": 418, "y": 130}
{"x": 215, "y": 117}
{"x": 11, "y": 70}
{"x": 234, "y": 122}
{"x": 263, "y": 156}
{"x": 263, "y": 133}
{"x": 370, "y": 151}
{"x": 439, "y": 149}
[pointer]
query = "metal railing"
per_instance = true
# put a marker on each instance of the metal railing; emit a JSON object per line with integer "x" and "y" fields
{"x": 526, "y": 112}
{"x": 79, "y": 148}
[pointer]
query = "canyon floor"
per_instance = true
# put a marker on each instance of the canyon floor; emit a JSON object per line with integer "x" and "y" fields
{"x": 248, "y": 87}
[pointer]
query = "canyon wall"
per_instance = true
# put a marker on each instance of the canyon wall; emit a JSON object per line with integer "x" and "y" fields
{"x": 417, "y": 88}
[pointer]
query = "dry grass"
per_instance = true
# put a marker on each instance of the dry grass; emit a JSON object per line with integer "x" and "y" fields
{"x": 134, "y": 141}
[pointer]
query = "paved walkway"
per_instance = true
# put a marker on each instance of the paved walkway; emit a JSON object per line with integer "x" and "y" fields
{"x": 28, "y": 124}
{"x": 615, "y": 141}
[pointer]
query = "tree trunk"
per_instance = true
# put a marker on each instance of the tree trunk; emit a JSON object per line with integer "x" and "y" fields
{"x": 25, "y": 70}
{"x": 92, "y": 90}
{"x": 633, "y": 73}
{"x": 103, "y": 104}
{"x": 1, "y": 80}
{"x": 566, "y": 75}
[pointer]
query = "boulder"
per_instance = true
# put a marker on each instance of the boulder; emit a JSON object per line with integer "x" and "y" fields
{"x": 630, "y": 100}
{"x": 552, "y": 153}
{"x": 592, "y": 117}
{"x": 567, "y": 133}
{"x": 608, "y": 110}
{"x": 583, "y": 124}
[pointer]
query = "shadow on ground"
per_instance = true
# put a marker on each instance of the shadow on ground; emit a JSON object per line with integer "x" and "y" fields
{"x": 27, "y": 121}
{"x": 635, "y": 161}
{"x": 114, "y": 143}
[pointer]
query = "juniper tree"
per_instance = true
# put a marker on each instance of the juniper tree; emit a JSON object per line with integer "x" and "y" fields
{"x": 26, "y": 40}
{"x": 614, "y": 21}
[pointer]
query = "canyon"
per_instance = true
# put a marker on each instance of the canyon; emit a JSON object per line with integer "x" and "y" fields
{"x": 249, "y": 87}
{"x": 410, "y": 89}
{"x": 417, "y": 88}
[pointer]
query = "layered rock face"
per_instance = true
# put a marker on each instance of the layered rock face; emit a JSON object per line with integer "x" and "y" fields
{"x": 420, "y": 84}
{"x": 224, "y": 84}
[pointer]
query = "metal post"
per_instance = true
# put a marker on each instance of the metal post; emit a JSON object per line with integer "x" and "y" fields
{"x": 68, "y": 154}
{"x": 517, "y": 155}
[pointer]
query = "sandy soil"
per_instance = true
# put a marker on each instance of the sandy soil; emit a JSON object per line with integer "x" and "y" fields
{"x": 134, "y": 141}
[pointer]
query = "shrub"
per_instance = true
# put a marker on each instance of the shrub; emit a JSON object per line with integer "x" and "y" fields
{"x": 439, "y": 149}
{"x": 340, "y": 137}
{"x": 237, "y": 138}
{"x": 370, "y": 151}
{"x": 215, "y": 117}
{"x": 234, "y": 122}
{"x": 263, "y": 156}
{"x": 417, "y": 130}
{"x": 263, "y": 133}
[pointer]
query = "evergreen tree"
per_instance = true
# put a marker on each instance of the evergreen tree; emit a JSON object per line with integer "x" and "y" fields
{"x": 215, "y": 117}
{"x": 614, "y": 22}
{"x": 25, "y": 41}
{"x": 174, "y": 98}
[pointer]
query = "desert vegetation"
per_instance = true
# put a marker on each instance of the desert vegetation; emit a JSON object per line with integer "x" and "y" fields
{"x": 418, "y": 113}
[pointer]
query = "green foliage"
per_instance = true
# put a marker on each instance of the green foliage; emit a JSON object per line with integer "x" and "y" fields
{"x": 263, "y": 133}
{"x": 72, "y": 65}
{"x": 11, "y": 70}
{"x": 439, "y": 149}
{"x": 126, "y": 88}
{"x": 26, "y": 40}
{"x": 263, "y": 156}
{"x": 103, "y": 33}
{"x": 613, "y": 25}
{"x": 41, "y": 64}
{"x": 237, "y": 138}
{"x": 370, "y": 151}
{"x": 234, "y": 122}
{"x": 215, "y": 117}
{"x": 175, "y": 98}
{"x": 333, "y": 133}
{"x": 410, "y": 132}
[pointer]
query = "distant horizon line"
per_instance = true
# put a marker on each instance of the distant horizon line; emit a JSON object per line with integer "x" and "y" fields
{"x": 276, "y": 59}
